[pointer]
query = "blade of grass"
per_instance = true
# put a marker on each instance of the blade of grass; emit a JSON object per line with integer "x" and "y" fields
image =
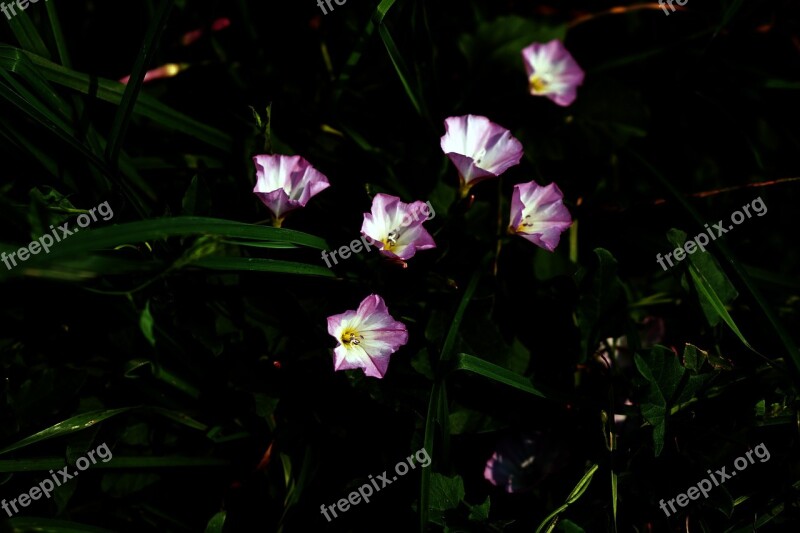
{"x": 438, "y": 392}
{"x": 550, "y": 522}
{"x": 26, "y": 34}
{"x": 134, "y": 86}
{"x": 161, "y": 228}
{"x": 71, "y": 425}
{"x": 217, "y": 523}
{"x": 399, "y": 67}
{"x": 58, "y": 35}
{"x": 116, "y": 463}
{"x": 263, "y": 265}
{"x": 47, "y": 525}
{"x": 497, "y": 373}
{"x": 112, "y": 91}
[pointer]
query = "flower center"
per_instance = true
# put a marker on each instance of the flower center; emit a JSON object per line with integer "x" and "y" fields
{"x": 391, "y": 240}
{"x": 525, "y": 224}
{"x": 537, "y": 84}
{"x": 351, "y": 338}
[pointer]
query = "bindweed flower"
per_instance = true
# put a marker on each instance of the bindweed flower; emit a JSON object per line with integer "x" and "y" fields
{"x": 396, "y": 227}
{"x": 538, "y": 214}
{"x": 552, "y": 72}
{"x": 285, "y": 183}
{"x": 479, "y": 148}
{"x": 367, "y": 337}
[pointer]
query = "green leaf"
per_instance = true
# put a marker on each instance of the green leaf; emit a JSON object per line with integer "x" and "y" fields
{"x": 197, "y": 200}
{"x": 468, "y": 421}
{"x": 107, "y": 237}
{"x": 446, "y": 492}
{"x": 692, "y": 359}
{"x": 26, "y": 34}
{"x": 71, "y": 425}
{"x": 602, "y": 296}
{"x": 568, "y": 526}
{"x": 263, "y": 265}
{"x": 479, "y": 513}
{"x": 496, "y": 373}
{"x": 122, "y": 118}
{"x": 146, "y": 324}
{"x": 550, "y": 522}
{"x": 58, "y": 36}
{"x": 716, "y": 281}
{"x": 614, "y": 500}
{"x": 217, "y": 523}
{"x": 668, "y": 384}
{"x": 46, "y": 525}
{"x": 713, "y": 299}
{"x": 116, "y": 463}
{"x": 663, "y": 373}
{"x": 400, "y": 67}
{"x": 13, "y": 59}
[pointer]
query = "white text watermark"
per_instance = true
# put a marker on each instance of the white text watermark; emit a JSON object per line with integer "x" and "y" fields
{"x": 365, "y": 490}
{"x": 705, "y": 486}
{"x": 701, "y": 240}
{"x": 45, "y": 242}
{"x": 46, "y": 487}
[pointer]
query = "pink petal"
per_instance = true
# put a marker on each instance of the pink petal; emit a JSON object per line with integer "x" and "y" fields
{"x": 547, "y": 214}
{"x": 553, "y": 63}
{"x": 381, "y": 336}
{"x": 291, "y": 175}
{"x": 479, "y": 148}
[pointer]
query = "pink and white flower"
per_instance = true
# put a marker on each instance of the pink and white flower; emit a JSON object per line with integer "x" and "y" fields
{"x": 367, "y": 337}
{"x": 285, "y": 183}
{"x": 552, "y": 72}
{"x": 538, "y": 214}
{"x": 396, "y": 227}
{"x": 479, "y": 148}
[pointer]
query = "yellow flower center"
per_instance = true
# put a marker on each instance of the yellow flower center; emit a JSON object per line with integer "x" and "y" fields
{"x": 391, "y": 240}
{"x": 537, "y": 84}
{"x": 524, "y": 226}
{"x": 351, "y": 338}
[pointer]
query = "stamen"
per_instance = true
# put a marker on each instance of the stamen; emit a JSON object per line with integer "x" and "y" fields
{"x": 537, "y": 84}
{"x": 352, "y": 339}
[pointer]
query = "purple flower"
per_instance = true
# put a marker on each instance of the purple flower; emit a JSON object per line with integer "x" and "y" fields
{"x": 552, "y": 72}
{"x": 396, "y": 227}
{"x": 538, "y": 214}
{"x": 367, "y": 337}
{"x": 479, "y": 148}
{"x": 285, "y": 183}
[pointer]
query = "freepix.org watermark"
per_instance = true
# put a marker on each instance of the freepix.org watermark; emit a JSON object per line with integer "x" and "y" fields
{"x": 365, "y": 490}
{"x": 328, "y": 2}
{"x": 669, "y": 3}
{"x": 46, "y": 487}
{"x": 355, "y": 246}
{"x": 704, "y": 486}
{"x": 45, "y": 242}
{"x": 21, "y": 4}
{"x": 701, "y": 240}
